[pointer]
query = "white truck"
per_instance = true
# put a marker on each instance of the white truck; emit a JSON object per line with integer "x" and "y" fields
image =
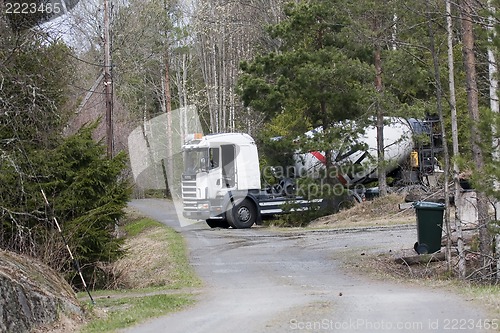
{"x": 221, "y": 182}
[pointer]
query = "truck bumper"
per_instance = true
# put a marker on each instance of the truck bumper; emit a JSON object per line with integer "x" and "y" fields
{"x": 203, "y": 211}
{"x": 196, "y": 215}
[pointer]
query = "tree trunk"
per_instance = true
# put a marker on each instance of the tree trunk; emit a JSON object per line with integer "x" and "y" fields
{"x": 493, "y": 72}
{"x": 382, "y": 179}
{"x": 184, "y": 105}
{"x": 454, "y": 135}
{"x": 167, "y": 166}
{"x": 473, "y": 108}
{"x": 439, "y": 97}
{"x": 330, "y": 183}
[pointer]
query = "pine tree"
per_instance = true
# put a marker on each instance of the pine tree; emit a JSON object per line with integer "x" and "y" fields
{"x": 311, "y": 76}
{"x": 86, "y": 190}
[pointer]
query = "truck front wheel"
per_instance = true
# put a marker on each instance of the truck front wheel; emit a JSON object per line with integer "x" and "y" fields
{"x": 242, "y": 215}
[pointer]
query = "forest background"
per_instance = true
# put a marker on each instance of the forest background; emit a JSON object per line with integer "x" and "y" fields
{"x": 264, "y": 67}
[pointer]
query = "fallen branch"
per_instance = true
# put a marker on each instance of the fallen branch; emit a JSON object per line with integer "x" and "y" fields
{"x": 421, "y": 259}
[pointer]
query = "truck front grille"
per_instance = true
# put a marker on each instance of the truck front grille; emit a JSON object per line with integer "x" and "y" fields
{"x": 189, "y": 193}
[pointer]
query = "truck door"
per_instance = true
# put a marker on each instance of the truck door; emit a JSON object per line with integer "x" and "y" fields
{"x": 228, "y": 158}
{"x": 214, "y": 172}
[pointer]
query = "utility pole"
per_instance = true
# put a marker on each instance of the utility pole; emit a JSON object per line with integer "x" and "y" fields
{"x": 108, "y": 81}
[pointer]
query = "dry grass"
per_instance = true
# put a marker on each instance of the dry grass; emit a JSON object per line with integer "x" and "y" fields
{"x": 384, "y": 266}
{"x": 148, "y": 262}
{"x": 431, "y": 274}
{"x": 152, "y": 279}
{"x": 156, "y": 257}
{"x": 376, "y": 212}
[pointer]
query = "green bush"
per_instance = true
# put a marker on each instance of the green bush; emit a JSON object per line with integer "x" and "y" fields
{"x": 87, "y": 195}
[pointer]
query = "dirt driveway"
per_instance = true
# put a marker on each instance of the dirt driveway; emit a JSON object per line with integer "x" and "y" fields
{"x": 263, "y": 280}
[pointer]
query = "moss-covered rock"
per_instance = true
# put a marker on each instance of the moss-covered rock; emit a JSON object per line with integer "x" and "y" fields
{"x": 31, "y": 294}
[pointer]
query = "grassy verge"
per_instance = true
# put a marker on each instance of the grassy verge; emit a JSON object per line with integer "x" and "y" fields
{"x": 488, "y": 295}
{"x": 124, "y": 312}
{"x": 152, "y": 279}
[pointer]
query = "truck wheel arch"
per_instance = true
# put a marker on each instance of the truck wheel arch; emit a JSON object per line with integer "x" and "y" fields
{"x": 234, "y": 202}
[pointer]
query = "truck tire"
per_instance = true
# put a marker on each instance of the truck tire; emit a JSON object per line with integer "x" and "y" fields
{"x": 242, "y": 215}
{"x": 218, "y": 223}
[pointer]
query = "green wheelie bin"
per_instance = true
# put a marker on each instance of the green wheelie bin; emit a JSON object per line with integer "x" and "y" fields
{"x": 429, "y": 226}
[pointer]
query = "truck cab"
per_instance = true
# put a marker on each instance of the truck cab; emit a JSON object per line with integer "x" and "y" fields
{"x": 221, "y": 180}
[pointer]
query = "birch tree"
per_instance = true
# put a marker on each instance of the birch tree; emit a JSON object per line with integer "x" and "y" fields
{"x": 313, "y": 77}
{"x": 439, "y": 106}
{"x": 226, "y": 34}
{"x": 454, "y": 133}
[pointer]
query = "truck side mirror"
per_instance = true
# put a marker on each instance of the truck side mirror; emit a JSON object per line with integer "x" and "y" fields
{"x": 203, "y": 164}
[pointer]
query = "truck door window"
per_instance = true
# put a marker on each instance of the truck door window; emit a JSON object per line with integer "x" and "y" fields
{"x": 228, "y": 166}
{"x": 214, "y": 158}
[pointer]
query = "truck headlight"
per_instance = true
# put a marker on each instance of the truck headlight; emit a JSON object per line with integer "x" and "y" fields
{"x": 203, "y": 206}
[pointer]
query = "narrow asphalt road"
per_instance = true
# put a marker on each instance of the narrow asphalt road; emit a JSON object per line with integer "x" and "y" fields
{"x": 258, "y": 280}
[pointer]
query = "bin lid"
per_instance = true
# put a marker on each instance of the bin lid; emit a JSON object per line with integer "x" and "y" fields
{"x": 428, "y": 205}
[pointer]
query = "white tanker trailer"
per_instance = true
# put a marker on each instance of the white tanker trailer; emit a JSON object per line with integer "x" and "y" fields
{"x": 357, "y": 166}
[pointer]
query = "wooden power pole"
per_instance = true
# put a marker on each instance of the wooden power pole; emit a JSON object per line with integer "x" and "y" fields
{"x": 108, "y": 81}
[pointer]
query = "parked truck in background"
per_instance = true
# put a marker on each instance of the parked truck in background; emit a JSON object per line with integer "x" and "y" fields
{"x": 221, "y": 182}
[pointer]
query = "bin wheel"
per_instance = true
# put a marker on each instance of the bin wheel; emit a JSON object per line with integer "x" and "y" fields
{"x": 421, "y": 248}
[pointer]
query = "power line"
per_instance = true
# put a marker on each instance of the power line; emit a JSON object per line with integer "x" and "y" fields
{"x": 91, "y": 92}
{"x": 84, "y": 61}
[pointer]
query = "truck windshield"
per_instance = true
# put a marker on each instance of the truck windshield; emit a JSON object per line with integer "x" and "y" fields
{"x": 195, "y": 160}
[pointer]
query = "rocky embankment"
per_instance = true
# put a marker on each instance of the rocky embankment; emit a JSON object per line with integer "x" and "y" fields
{"x": 31, "y": 294}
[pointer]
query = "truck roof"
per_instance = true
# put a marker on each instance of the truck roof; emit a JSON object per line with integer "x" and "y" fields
{"x": 221, "y": 138}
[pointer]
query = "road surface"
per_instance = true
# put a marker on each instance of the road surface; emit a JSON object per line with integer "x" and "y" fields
{"x": 258, "y": 280}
